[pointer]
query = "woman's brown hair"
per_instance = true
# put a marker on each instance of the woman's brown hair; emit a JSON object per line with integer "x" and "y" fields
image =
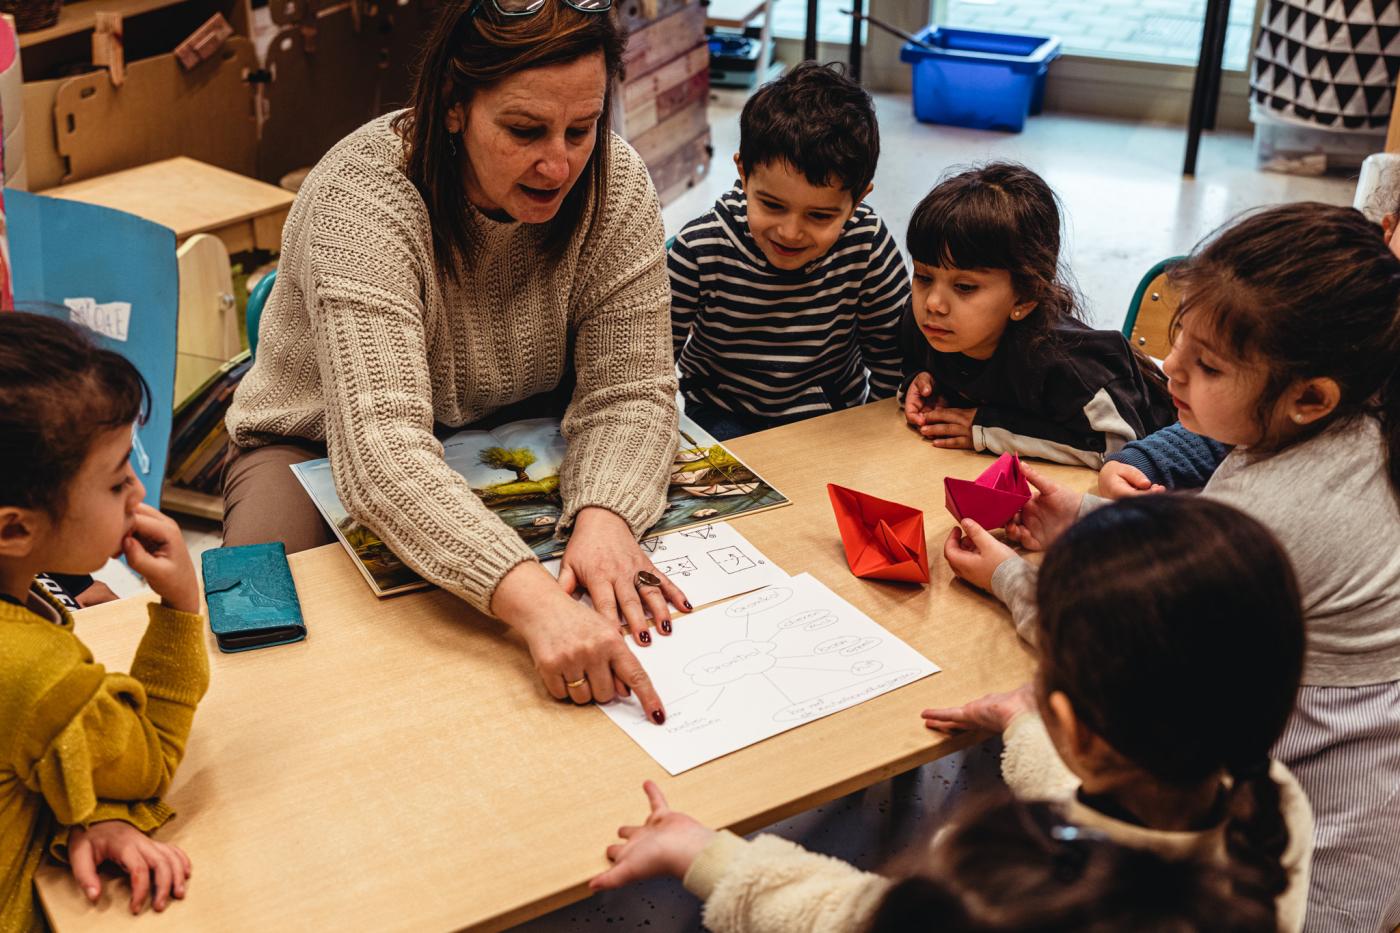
{"x": 1309, "y": 290}
{"x": 466, "y": 51}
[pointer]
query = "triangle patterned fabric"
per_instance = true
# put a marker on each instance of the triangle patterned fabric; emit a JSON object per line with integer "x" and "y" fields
{"x": 1333, "y": 64}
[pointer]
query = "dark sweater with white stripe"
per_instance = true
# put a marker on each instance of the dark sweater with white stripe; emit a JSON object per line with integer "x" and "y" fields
{"x": 1074, "y": 396}
{"x": 781, "y": 345}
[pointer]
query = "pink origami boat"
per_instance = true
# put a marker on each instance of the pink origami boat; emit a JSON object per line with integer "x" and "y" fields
{"x": 992, "y": 499}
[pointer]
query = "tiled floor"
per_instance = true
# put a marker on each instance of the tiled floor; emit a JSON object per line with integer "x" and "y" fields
{"x": 1155, "y": 30}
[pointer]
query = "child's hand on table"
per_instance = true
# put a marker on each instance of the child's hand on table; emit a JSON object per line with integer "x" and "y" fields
{"x": 973, "y": 554}
{"x": 156, "y": 550}
{"x": 1053, "y": 509}
{"x": 919, "y": 399}
{"x": 992, "y": 712}
{"x": 157, "y": 870}
{"x": 666, "y": 845}
{"x": 949, "y": 427}
{"x": 1120, "y": 480}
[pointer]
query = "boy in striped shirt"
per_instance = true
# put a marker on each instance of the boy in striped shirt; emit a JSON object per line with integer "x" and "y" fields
{"x": 786, "y": 297}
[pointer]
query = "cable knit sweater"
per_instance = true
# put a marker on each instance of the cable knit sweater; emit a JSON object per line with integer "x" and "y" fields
{"x": 771, "y": 884}
{"x": 365, "y": 344}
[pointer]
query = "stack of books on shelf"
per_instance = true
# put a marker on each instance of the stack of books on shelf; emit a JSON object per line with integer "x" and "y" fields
{"x": 199, "y": 441}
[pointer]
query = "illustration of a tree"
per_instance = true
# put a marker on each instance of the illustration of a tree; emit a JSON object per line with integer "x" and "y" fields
{"x": 517, "y": 459}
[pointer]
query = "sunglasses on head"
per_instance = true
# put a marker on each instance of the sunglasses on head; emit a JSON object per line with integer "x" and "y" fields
{"x": 531, "y": 7}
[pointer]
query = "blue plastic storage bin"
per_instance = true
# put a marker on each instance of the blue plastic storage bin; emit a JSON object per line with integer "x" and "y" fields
{"x": 985, "y": 80}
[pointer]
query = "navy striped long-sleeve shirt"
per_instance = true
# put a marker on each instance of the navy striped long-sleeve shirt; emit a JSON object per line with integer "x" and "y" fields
{"x": 761, "y": 341}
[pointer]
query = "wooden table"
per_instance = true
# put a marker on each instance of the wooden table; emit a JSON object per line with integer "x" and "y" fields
{"x": 192, "y": 197}
{"x": 403, "y": 769}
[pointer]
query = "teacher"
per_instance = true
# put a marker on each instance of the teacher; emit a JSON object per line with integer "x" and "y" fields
{"x": 490, "y": 253}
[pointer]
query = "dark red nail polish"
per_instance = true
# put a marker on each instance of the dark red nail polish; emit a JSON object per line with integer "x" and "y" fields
{"x": 666, "y": 626}
{"x": 688, "y": 606}
{"x": 644, "y": 638}
{"x": 658, "y": 717}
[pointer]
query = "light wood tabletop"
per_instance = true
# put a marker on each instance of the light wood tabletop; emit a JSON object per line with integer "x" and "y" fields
{"x": 403, "y": 769}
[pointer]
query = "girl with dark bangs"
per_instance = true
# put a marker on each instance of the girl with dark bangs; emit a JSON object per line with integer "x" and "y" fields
{"x": 996, "y": 358}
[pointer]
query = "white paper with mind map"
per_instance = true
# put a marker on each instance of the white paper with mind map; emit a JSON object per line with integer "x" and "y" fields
{"x": 708, "y": 562}
{"x": 735, "y": 674}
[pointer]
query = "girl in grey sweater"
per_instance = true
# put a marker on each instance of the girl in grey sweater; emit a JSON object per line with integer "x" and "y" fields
{"x": 1288, "y": 338}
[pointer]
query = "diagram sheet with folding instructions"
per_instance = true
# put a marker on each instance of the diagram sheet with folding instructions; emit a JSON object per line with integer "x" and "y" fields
{"x": 708, "y": 563}
{"x": 737, "y": 673}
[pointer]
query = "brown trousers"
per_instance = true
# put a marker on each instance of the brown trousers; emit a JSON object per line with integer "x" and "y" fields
{"x": 263, "y": 501}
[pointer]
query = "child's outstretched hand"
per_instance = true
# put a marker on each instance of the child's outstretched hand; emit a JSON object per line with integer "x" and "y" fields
{"x": 1121, "y": 480}
{"x": 156, "y": 550}
{"x": 919, "y": 399}
{"x": 992, "y": 712}
{"x": 666, "y": 845}
{"x": 158, "y": 870}
{"x": 1053, "y": 509}
{"x": 974, "y": 554}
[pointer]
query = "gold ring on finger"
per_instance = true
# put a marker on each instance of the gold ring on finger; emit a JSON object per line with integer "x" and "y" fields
{"x": 575, "y": 684}
{"x": 646, "y": 578}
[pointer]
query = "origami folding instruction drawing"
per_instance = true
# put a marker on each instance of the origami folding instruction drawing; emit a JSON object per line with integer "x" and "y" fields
{"x": 992, "y": 499}
{"x": 884, "y": 540}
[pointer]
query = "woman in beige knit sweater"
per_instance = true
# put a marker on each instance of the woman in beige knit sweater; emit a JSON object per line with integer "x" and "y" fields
{"x": 492, "y": 252}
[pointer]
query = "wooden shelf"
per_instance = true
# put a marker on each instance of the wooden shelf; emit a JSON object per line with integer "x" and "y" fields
{"x": 79, "y": 17}
{"x": 188, "y": 502}
{"x": 727, "y": 14}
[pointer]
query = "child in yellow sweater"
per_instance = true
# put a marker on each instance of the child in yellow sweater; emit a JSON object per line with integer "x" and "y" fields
{"x": 84, "y": 754}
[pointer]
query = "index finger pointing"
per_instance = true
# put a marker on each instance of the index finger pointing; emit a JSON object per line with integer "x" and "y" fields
{"x": 654, "y": 795}
{"x": 631, "y": 672}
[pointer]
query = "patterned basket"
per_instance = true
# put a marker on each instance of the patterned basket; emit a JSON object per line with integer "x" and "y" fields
{"x": 32, "y": 14}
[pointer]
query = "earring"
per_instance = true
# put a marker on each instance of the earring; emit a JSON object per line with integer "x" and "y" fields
{"x": 452, "y": 143}
{"x": 1297, "y": 418}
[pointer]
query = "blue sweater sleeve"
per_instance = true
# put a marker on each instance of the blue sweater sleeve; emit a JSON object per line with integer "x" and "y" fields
{"x": 1174, "y": 457}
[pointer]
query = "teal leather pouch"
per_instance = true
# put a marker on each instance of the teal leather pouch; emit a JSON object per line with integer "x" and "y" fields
{"x": 252, "y": 600}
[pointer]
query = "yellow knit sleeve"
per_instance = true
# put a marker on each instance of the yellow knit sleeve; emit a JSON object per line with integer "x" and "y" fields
{"x": 145, "y": 815}
{"x": 119, "y": 737}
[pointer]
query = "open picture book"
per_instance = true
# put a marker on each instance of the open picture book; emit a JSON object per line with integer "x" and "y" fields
{"x": 514, "y": 470}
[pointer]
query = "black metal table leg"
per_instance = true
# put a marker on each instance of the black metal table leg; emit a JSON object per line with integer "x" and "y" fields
{"x": 857, "y": 9}
{"x": 1217, "y": 60}
{"x": 1202, "y": 84}
{"x": 809, "y": 41}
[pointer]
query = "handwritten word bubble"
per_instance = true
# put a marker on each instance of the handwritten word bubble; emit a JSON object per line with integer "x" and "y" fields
{"x": 865, "y": 644}
{"x": 844, "y": 697}
{"x": 758, "y": 602}
{"x": 820, "y": 624}
{"x": 866, "y": 667}
{"x": 836, "y": 644}
{"x": 804, "y": 618}
{"x": 735, "y": 660}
